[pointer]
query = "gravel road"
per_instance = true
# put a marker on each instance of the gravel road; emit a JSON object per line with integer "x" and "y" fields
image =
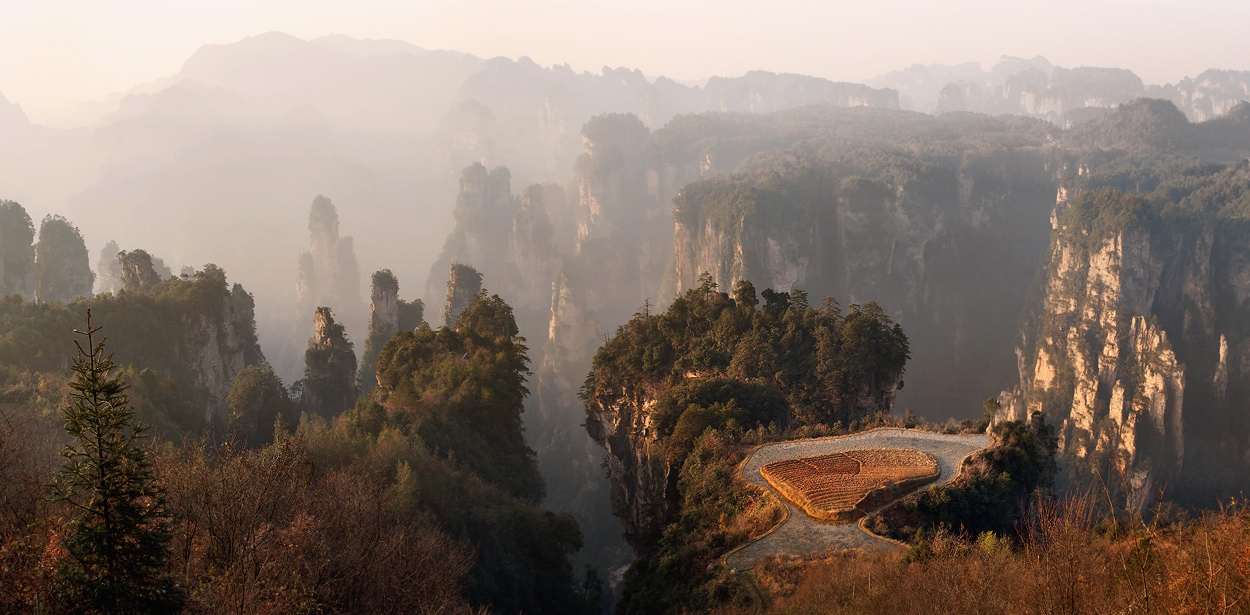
{"x": 799, "y": 534}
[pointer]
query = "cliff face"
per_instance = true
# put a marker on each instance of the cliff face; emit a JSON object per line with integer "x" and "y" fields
{"x": 1209, "y": 95}
{"x": 1099, "y": 364}
{"x": 508, "y": 238}
{"x": 622, "y": 231}
{"x": 462, "y": 289}
{"x": 388, "y": 314}
{"x": 383, "y": 305}
{"x": 949, "y": 253}
{"x": 1134, "y": 341}
{"x": 218, "y": 346}
{"x": 644, "y": 483}
{"x": 748, "y": 246}
{"x": 138, "y": 270}
{"x": 17, "y": 250}
{"x": 328, "y": 275}
{"x": 108, "y": 271}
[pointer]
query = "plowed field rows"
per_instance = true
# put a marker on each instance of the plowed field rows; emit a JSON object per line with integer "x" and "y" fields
{"x": 833, "y": 486}
{"x": 801, "y": 534}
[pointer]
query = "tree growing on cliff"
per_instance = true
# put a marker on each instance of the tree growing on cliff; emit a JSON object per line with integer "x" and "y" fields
{"x": 118, "y": 542}
{"x": 62, "y": 266}
{"x": 138, "y": 270}
{"x": 329, "y": 367}
{"x": 463, "y": 390}
{"x": 388, "y": 315}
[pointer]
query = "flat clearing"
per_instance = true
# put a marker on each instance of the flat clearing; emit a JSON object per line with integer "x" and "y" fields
{"x": 800, "y": 534}
{"x": 842, "y": 487}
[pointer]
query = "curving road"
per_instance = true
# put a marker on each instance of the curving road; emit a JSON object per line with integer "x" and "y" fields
{"x": 799, "y": 534}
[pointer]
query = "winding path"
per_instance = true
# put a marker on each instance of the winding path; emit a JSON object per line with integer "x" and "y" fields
{"x": 800, "y": 534}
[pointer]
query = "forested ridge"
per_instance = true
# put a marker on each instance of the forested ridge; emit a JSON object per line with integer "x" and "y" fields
{"x": 420, "y": 498}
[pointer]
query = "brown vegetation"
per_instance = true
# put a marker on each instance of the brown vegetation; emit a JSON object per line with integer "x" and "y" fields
{"x": 841, "y": 487}
{"x": 1066, "y": 561}
{"x": 264, "y": 532}
{"x": 276, "y": 531}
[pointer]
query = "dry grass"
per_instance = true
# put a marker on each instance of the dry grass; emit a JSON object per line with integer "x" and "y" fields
{"x": 841, "y": 487}
{"x": 1067, "y": 562}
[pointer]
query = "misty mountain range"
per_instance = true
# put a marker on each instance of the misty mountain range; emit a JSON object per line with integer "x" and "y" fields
{"x": 254, "y": 130}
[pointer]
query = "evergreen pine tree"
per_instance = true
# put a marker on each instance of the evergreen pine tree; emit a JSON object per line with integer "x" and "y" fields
{"x": 118, "y": 541}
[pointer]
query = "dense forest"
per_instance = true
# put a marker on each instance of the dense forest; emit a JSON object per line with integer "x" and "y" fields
{"x": 422, "y": 496}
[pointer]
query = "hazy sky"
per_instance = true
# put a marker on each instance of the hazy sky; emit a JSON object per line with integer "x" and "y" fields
{"x": 55, "y": 54}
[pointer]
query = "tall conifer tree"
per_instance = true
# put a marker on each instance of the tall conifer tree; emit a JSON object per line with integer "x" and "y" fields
{"x": 118, "y": 541}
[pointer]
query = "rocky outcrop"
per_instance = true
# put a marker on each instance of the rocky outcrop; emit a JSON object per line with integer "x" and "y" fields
{"x": 1211, "y": 94}
{"x": 108, "y": 270}
{"x": 384, "y": 304}
{"x": 219, "y": 345}
{"x": 197, "y": 330}
{"x": 752, "y": 245}
{"x": 949, "y": 254}
{"x": 1135, "y": 343}
{"x": 462, "y": 289}
{"x": 138, "y": 270}
{"x": 507, "y": 238}
{"x": 644, "y": 483}
{"x": 17, "y": 250}
{"x": 383, "y": 324}
{"x": 644, "y": 475}
{"x": 647, "y": 408}
{"x": 623, "y": 228}
{"x": 573, "y": 335}
{"x": 609, "y": 179}
{"x": 328, "y": 273}
{"x": 62, "y": 266}
{"x": 388, "y": 314}
{"x": 329, "y": 367}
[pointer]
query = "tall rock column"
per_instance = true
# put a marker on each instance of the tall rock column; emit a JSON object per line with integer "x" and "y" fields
{"x": 384, "y": 320}
{"x": 62, "y": 265}
{"x": 384, "y": 304}
{"x": 17, "y": 250}
{"x": 329, "y": 367}
{"x": 328, "y": 276}
{"x": 462, "y": 288}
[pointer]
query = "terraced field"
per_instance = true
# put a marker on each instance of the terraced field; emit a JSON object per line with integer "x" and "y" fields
{"x": 842, "y": 487}
{"x": 800, "y": 534}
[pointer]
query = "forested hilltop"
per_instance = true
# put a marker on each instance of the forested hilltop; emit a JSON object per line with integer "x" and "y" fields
{"x": 421, "y": 496}
{"x": 715, "y": 362}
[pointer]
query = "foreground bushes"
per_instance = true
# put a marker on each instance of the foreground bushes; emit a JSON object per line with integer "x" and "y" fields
{"x": 1070, "y": 562}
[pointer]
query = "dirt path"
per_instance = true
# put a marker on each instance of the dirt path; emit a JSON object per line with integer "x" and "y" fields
{"x": 800, "y": 534}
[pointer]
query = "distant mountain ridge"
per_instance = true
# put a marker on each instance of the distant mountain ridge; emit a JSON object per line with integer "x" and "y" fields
{"x": 253, "y": 130}
{"x": 1036, "y": 88}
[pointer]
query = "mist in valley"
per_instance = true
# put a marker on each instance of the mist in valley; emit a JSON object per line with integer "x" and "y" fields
{"x": 401, "y": 186}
